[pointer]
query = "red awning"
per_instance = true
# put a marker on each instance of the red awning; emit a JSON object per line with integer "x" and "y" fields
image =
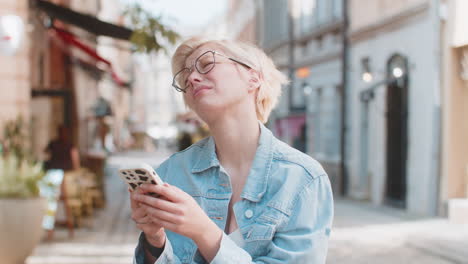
{"x": 69, "y": 38}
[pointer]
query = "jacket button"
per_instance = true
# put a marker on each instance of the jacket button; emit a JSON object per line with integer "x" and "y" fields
{"x": 248, "y": 213}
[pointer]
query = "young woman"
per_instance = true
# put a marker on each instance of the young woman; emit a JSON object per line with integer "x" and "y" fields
{"x": 241, "y": 195}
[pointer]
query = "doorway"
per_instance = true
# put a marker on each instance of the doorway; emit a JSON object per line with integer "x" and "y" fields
{"x": 397, "y": 131}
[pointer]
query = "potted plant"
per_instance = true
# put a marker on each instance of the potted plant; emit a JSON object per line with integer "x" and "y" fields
{"x": 21, "y": 207}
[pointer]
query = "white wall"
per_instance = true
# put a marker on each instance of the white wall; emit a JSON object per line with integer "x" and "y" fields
{"x": 416, "y": 41}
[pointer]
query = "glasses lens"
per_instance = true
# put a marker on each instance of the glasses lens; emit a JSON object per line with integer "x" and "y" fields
{"x": 180, "y": 80}
{"x": 205, "y": 62}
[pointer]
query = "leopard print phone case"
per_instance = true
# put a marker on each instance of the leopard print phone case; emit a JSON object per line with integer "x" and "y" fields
{"x": 138, "y": 175}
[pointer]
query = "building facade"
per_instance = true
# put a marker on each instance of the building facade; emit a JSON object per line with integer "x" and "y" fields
{"x": 304, "y": 38}
{"x": 405, "y": 117}
{"x": 59, "y": 83}
{"x": 393, "y": 117}
{"x": 454, "y": 170}
{"x": 15, "y": 74}
{"x": 237, "y": 22}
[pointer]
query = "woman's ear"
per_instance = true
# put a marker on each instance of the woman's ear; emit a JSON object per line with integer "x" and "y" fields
{"x": 254, "y": 80}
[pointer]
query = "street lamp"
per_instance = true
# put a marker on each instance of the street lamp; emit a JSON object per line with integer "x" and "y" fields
{"x": 306, "y": 89}
{"x": 366, "y": 70}
{"x": 367, "y": 77}
{"x": 397, "y": 72}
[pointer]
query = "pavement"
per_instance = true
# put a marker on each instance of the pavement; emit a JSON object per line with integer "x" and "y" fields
{"x": 110, "y": 236}
{"x": 362, "y": 232}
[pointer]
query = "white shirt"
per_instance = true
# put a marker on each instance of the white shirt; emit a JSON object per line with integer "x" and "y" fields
{"x": 237, "y": 237}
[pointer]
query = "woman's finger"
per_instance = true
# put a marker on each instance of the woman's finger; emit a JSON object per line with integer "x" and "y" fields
{"x": 167, "y": 206}
{"x": 165, "y": 190}
{"x": 139, "y": 214}
{"x": 133, "y": 203}
{"x": 162, "y": 215}
{"x": 143, "y": 221}
{"x": 144, "y": 199}
{"x": 149, "y": 227}
{"x": 159, "y": 203}
{"x": 165, "y": 224}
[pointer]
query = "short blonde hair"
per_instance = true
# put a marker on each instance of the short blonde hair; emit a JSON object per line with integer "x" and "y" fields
{"x": 271, "y": 79}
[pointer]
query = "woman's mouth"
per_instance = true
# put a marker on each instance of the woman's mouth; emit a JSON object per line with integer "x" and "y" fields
{"x": 199, "y": 89}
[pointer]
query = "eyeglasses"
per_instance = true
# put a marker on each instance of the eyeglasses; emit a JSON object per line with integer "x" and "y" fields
{"x": 204, "y": 64}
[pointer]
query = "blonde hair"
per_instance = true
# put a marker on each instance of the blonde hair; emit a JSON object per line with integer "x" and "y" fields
{"x": 271, "y": 79}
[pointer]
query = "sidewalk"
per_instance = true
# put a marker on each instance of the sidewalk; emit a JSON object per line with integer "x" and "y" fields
{"x": 112, "y": 236}
{"x": 364, "y": 233}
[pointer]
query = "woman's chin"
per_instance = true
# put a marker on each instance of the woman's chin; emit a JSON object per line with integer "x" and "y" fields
{"x": 207, "y": 106}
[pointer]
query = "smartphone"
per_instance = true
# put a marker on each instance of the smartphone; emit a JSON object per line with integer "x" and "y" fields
{"x": 137, "y": 175}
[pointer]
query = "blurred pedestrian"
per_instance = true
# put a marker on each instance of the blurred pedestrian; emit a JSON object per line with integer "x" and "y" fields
{"x": 240, "y": 195}
{"x": 299, "y": 141}
{"x": 184, "y": 140}
{"x": 103, "y": 113}
{"x": 62, "y": 153}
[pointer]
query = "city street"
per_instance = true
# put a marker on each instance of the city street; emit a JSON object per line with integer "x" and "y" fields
{"x": 367, "y": 234}
{"x": 374, "y": 90}
{"x": 362, "y": 232}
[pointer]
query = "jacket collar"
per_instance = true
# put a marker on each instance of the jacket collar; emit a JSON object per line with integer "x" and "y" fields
{"x": 207, "y": 157}
{"x": 257, "y": 180}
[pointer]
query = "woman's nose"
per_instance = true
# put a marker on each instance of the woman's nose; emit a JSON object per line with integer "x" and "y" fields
{"x": 194, "y": 77}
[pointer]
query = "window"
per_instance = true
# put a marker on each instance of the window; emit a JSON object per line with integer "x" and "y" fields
{"x": 317, "y": 123}
{"x": 322, "y": 11}
{"x": 327, "y": 124}
{"x": 319, "y": 41}
{"x": 337, "y": 9}
{"x": 464, "y": 65}
{"x": 308, "y": 15}
{"x": 275, "y": 22}
{"x": 333, "y": 115}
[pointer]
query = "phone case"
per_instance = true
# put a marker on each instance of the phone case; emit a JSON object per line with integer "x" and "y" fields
{"x": 136, "y": 176}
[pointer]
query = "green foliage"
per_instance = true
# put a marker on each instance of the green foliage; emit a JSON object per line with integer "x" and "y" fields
{"x": 19, "y": 173}
{"x": 19, "y": 178}
{"x": 149, "y": 34}
{"x": 16, "y": 141}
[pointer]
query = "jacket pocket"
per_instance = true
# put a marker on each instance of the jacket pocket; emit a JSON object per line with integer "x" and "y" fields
{"x": 259, "y": 231}
{"x": 258, "y": 237}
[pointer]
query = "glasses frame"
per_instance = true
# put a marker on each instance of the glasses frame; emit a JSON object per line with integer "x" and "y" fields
{"x": 194, "y": 65}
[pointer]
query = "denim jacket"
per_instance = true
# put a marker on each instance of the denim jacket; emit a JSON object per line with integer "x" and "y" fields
{"x": 285, "y": 212}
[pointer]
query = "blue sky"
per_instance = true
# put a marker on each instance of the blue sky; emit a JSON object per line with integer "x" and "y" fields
{"x": 184, "y": 12}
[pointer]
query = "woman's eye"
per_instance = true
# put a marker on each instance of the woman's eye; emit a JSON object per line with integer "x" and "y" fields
{"x": 206, "y": 65}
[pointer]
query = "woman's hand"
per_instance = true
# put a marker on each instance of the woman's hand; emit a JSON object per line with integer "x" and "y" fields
{"x": 154, "y": 233}
{"x": 178, "y": 212}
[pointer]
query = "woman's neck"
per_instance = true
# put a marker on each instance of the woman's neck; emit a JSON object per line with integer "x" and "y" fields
{"x": 236, "y": 140}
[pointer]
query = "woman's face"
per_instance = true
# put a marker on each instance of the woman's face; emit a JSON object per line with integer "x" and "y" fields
{"x": 224, "y": 86}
